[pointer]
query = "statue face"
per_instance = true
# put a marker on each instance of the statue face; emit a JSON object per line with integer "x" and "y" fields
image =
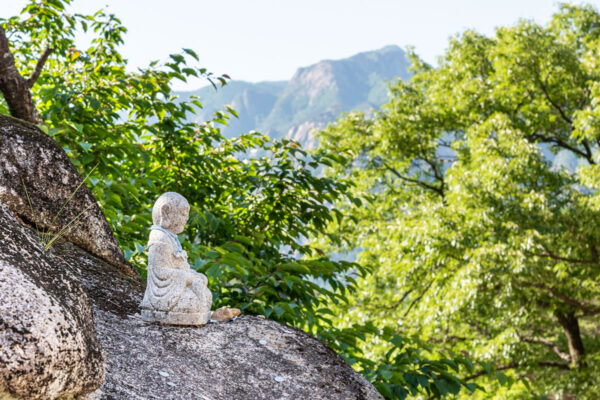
{"x": 174, "y": 218}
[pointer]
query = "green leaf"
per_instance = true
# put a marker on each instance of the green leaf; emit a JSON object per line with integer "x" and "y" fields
{"x": 501, "y": 378}
{"x": 386, "y": 374}
{"x": 191, "y": 53}
{"x": 85, "y": 146}
{"x": 279, "y": 311}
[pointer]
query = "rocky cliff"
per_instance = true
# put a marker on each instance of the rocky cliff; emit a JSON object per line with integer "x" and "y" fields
{"x": 70, "y": 327}
{"x": 39, "y": 183}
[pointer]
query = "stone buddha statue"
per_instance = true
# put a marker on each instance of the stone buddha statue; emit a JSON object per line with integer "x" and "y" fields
{"x": 175, "y": 294}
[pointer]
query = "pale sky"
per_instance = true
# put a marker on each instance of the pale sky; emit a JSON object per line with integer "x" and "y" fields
{"x": 258, "y": 40}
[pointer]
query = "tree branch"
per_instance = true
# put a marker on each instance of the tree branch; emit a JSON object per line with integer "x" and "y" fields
{"x": 555, "y": 105}
{"x": 417, "y": 299}
{"x": 13, "y": 87}
{"x": 594, "y": 251}
{"x": 564, "y": 145}
{"x": 553, "y": 256}
{"x": 542, "y": 363}
{"x": 564, "y": 356}
{"x": 570, "y": 324}
{"x": 38, "y": 67}
{"x": 436, "y": 173}
{"x": 555, "y": 364}
{"x": 588, "y": 309}
{"x": 404, "y": 296}
{"x": 588, "y": 150}
{"x": 484, "y": 372}
{"x": 415, "y": 181}
{"x": 544, "y": 88}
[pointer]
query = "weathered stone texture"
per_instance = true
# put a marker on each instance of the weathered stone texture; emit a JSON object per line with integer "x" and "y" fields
{"x": 48, "y": 346}
{"x": 249, "y": 358}
{"x": 30, "y": 158}
{"x": 52, "y": 346}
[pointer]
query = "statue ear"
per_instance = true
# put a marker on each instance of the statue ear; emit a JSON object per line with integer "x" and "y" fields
{"x": 164, "y": 213}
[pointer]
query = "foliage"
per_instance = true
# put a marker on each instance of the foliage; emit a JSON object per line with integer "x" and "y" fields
{"x": 251, "y": 198}
{"x": 480, "y": 179}
{"x": 255, "y": 203}
{"x": 405, "y": 368}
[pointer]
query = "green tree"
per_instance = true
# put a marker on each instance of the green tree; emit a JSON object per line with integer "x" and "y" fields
{"x": 251, "y": 198}
{"x": 255, "y": 203}
{"x": 480, "y": 179}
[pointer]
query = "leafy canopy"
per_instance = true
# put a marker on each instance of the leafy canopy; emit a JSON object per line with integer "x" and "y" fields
{"x": 251, "y": 198}
{"x": 481, "y": 184}
{"x": 256, "y": 203}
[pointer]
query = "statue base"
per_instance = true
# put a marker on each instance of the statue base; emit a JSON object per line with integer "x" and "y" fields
{"x": 175, "y": 318}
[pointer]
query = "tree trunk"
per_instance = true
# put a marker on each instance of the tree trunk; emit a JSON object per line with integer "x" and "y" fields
{"x": 570, "y": 325}
{"x": 14, "y": 87}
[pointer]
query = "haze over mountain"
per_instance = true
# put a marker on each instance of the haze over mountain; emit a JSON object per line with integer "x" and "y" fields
{"x": 314, "y": 96}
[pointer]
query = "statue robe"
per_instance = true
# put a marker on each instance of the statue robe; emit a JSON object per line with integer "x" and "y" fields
{"x": 172, "y": 286}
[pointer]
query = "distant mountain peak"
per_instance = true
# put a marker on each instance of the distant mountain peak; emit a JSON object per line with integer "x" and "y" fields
{"x": 391, "y": 48}
{"x": 315, "y": 95}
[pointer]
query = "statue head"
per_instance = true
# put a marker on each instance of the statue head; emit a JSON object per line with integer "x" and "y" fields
{"x": 171, "y": 211}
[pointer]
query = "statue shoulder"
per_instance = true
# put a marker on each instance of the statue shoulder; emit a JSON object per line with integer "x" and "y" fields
{"x": 158, "y": 237}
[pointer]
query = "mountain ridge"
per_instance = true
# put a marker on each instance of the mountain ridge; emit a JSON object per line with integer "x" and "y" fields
{"x": 315, "y": 95}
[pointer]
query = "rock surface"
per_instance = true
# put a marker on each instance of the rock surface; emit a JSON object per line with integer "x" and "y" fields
{"x": 48, "y": 345}
{"x": 32, "y": 159}
{"x": 70, "y": 324}
{"x": 249, "y": 358}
